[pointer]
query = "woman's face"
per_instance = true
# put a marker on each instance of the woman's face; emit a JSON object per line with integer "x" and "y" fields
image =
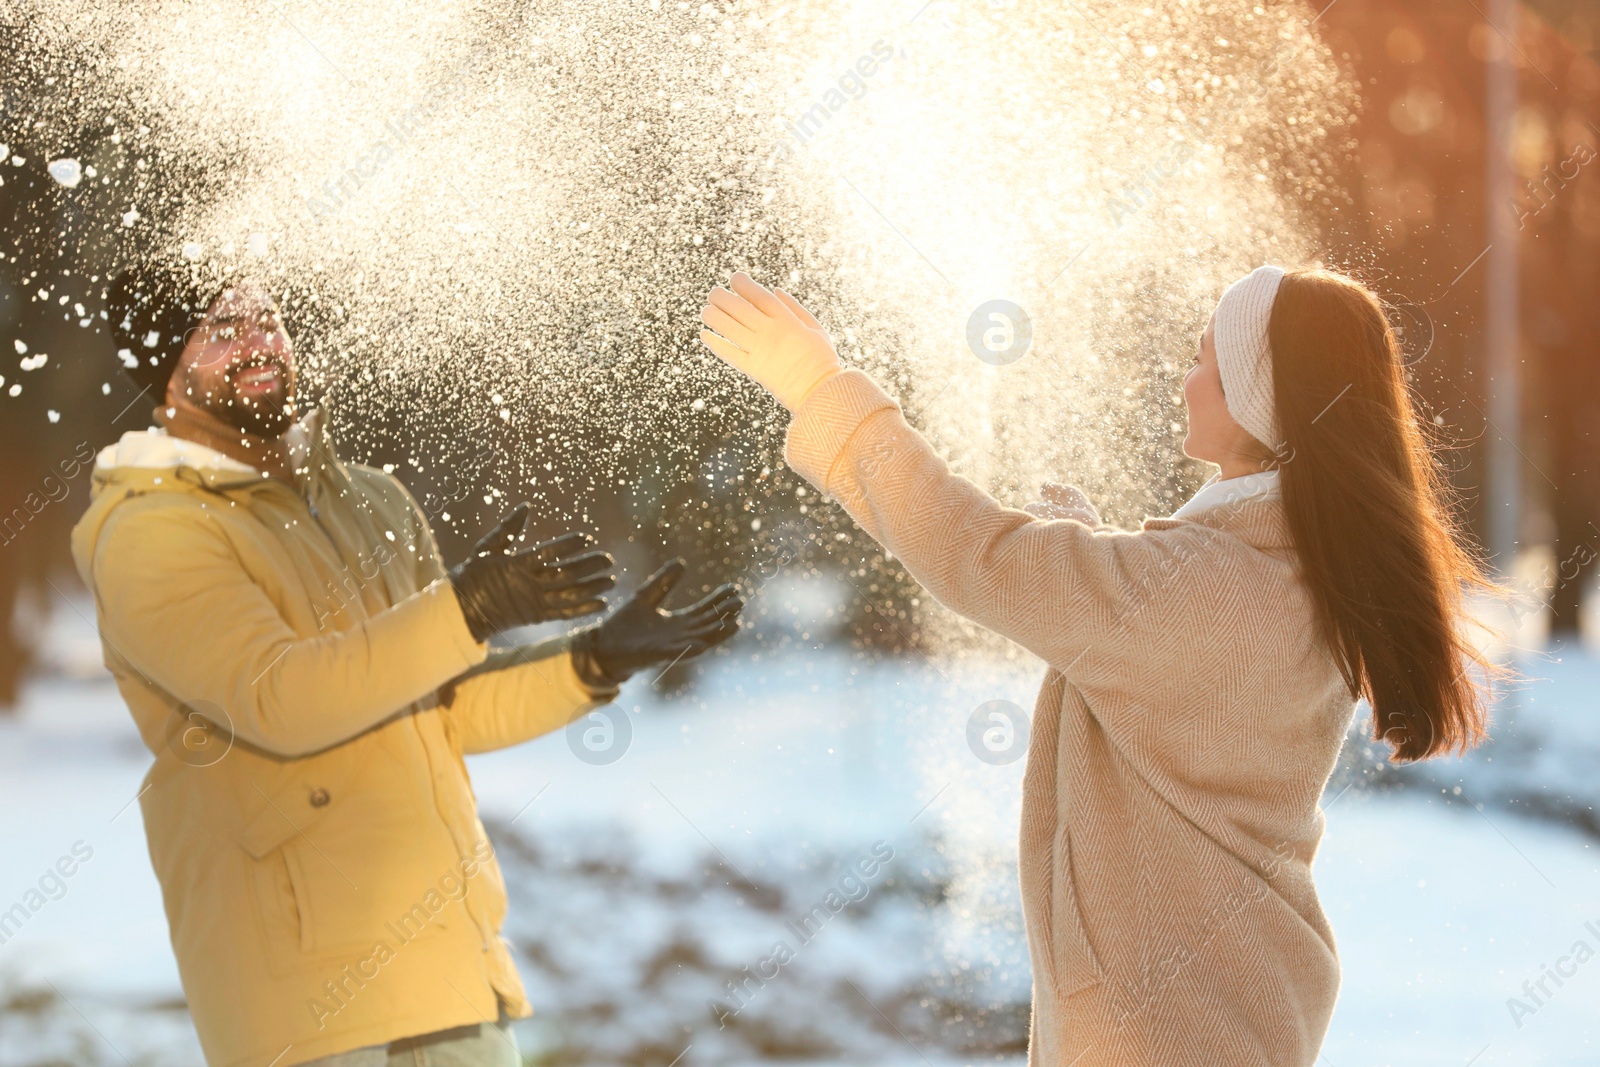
{"x": 1213, "y": 435}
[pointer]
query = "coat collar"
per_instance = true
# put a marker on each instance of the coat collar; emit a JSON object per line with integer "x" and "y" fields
{"x": 1258, "y": 520}
{"x": 1221, "y": 492}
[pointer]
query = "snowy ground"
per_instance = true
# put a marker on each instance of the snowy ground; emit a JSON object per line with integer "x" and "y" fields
{"x": 641, "y": 886}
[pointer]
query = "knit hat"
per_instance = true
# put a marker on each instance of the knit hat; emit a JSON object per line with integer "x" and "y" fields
{"x": 1239, "y": 330}
{"x": 152, "y": 310}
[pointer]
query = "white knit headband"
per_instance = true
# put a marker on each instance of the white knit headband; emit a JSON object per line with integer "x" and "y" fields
{"x": 1239, "y": 330}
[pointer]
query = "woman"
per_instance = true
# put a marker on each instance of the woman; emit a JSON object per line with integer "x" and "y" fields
{"x": 1203, "y": 669}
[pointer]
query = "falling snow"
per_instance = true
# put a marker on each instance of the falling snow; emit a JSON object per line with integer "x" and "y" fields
{"x": 67, "y": 172}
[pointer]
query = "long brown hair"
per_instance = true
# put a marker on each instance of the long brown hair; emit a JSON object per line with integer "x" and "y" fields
{"x": 1369, "y": 509}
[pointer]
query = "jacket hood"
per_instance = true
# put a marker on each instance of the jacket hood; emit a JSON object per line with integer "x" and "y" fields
{"x": 155, "y": 449}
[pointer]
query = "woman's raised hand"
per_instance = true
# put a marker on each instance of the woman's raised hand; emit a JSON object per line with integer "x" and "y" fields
{"x": 770, "y": 338}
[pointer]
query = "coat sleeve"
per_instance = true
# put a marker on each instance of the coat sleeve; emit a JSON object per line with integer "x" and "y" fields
{"x": 1064, "y": 591}
{"x": 177, "y": 605}
{"x": 515, "y": 694}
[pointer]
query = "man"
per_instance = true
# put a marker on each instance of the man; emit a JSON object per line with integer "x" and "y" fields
{"x": 309, "y": 675}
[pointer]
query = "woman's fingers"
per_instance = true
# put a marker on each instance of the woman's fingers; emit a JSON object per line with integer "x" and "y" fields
{"x": 800, "y": 311}
{"x": 593, "y": 588}
{"x": 728, "y": 326}
{"x": 736, "y": 307}
{"x": 1063, "y": 502}
{"x": 756, "y": 294}
{"x": 1068, "y": 495}
{"x": 725, "y": 350}
{"x": 729, "y": 603}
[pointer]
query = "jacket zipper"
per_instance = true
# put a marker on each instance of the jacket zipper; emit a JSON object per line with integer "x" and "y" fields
{"x": 316, "y": 517}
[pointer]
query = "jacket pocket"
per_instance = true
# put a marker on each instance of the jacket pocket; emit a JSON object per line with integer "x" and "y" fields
{"x": 1073, "y": 961}
{"x": 366, "y": 865}
{"x": 279, "y": 908}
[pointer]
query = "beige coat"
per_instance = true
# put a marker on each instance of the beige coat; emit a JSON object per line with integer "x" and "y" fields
{"x": 1187, "y": 724}
{"x": 328, "y": 884}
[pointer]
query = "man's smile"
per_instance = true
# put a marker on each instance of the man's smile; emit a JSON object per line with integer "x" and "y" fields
{"x": 258, "y": 378}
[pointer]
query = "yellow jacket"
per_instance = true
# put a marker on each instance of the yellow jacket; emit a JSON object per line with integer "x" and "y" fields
{"x": 327, "y": 882}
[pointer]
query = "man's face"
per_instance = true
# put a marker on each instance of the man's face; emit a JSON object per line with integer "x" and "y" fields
{"x": 238, "y": 365}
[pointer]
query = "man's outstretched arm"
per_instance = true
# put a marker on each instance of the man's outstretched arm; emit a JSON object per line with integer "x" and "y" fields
{"x": 517, "y": 694}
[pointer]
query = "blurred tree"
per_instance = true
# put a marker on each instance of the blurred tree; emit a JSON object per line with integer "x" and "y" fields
{"x": 1416, "y": 228}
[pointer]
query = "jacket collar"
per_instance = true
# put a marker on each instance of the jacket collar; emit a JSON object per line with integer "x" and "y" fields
{"x": 269, "y": 455}
{"x": 308, "y": 445}
{"x": 145, "y": 456}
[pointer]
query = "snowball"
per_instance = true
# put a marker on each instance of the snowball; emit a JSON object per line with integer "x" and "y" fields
{"x": 256, "y": 245}
{"x": 131, "y": 217}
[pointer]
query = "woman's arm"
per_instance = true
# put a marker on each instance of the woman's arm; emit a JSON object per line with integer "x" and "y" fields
{"x": 1056, "y": 587}
{"x": 1059, "y": 588}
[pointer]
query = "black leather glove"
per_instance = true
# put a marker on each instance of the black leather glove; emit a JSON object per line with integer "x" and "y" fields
{"x": 640, "y": 634}
{"x": 501, "y": 587}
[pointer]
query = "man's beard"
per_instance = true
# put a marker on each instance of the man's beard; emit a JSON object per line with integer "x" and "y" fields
{"x": 260, "y": 417}
{"x": 265, "y": 415}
